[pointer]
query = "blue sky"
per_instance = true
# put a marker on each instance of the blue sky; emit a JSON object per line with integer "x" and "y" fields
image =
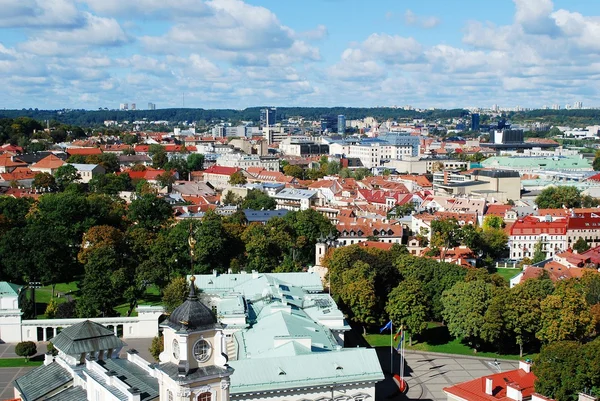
{"x": 236, "y": 54}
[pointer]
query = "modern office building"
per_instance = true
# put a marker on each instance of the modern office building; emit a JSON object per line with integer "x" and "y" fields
{"x": 341, "y": 124}
{"x": 329, "y": 123}
{"x": 268, "y": 116}
{"x": 475, "y": 122}
{"x": 151, "y": 106}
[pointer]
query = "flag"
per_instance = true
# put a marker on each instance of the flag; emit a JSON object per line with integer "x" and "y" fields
{"x": 399, "y": 347}
{"x": 398, "y": 333}
{"x": 387, "y": 326}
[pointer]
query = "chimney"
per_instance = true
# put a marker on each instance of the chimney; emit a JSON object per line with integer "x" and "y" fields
{"x": 514, "y": 392}
{"x": 525, "y": 366}
{"x": 488, "y": 386}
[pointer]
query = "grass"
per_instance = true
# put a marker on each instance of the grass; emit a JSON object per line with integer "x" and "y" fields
{"x": 19, "y": 362}
{"x": 507, "y": 274}
{"x": 437, "y": 339}
{"x": 44, "y": 295}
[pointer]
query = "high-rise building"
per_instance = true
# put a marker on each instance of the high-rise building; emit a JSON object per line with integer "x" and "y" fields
{"x": 329, "y": 123}
{"x": 123, "y": 106}
{"x": 341, "y": 124}
{"x": 133, "y": 106}
{"x": 151, "y": 106}
{"x": 268, "y": 116}
{"x": 475, "y": 122}
{"x": 578, "y": 105}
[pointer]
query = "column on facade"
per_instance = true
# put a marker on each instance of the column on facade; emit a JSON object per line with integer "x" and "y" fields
{"x": 45, "y": 334}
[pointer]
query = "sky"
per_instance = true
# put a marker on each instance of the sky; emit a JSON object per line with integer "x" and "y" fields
{"x": 93, "y": 54}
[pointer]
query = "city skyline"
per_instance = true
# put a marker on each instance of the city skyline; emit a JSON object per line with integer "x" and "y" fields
{"x": 236, "y": 54}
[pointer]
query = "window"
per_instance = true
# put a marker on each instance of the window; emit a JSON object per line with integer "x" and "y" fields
{"x": 204, "y": 397}
{"x": 175, "y": 349}
{"x": 169, "y": 395}
{"x": 202, "y": 351}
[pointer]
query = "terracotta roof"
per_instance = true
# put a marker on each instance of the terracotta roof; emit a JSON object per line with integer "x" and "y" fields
{"x": 221, "y": 170}
{"x": 150, "y": 174}
{"x": 497, "y": 210}
{"x": 532, "y": 226}
{"x": 6, "y": 160}
{"x": 419, "y": 179}
{"x": 11, "y": 148}
{"x": 49, "y": 161}
{"x": 84, "y": 151}
{"x": 20, "y": 173}
{"x": 474, "y": 390}
{"x": 386, "y": 246}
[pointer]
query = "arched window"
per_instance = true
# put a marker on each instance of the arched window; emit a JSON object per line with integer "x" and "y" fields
{"x": 204, "y": 397}
{"x": 169, "y": 395}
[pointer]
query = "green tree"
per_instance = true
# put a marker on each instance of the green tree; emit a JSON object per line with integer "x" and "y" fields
{"x": 166, "y": 179}
{"x": 294, "y": 171}
{"x": 465, "y": 305}
{"x": 523, "y": 311}
{"x": 361, "y": 173}
{"x": 175, "y": 293}
{"x": 581, "y": 245}
{"x": 44, "y": 182}
{"x": 65, "y": 175}
{"x": 195, "y": 162}
{"x": 110, "y": 184}
{"x": 407, "y": 306}
{"x": 156, "y": 347}
{"x": 258, "y": 200}
{"x": 150, "y": 212}
{"x": 558, "y": 197}
{"x": 237, "y": 178}
{"x": 492, "y": 221}
{"x": 26, "y": 349}
{"x": 445, "y": 234}
{"x": 494, "y": 242}
{"x": 565, "y": 316}
{"x": 159, "y": 155}
{"x": 556, "y": 369}
{"x": 538, "y": 253}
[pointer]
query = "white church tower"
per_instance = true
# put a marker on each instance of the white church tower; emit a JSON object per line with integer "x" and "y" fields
{"x": 193, "y": 365}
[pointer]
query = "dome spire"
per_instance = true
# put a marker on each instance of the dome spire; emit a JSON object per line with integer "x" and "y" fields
{"x": 192, "y": 295}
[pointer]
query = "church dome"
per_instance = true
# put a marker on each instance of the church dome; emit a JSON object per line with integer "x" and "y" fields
{"x": 192, "y": 315}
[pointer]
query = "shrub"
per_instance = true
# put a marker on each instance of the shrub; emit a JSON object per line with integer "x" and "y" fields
{"x": 26, "y": 349}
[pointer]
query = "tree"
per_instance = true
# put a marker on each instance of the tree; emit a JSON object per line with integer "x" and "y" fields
{"x": 156, "y": 347}
{"x": 523, "y": 312}
{"x": 492, "y": 221}
{"x": 195, "y": 162}
{"x": 294, "y": 171}
{"x": 258, "y": 200}
{"x": 65, "y": 175}
{"x": 166, "y": 179}
{"x": 407, "y": 306}
{"x": 556, "y": 369}
{"x": 26, "y": 349}
{"x": 565, "y": 316}
{"x": 110, "y": 184}
{"x": 446, "y": 234}
{"x": 175, "y": 293}
{"x": 465, "y": 305}
{"x": 159, "y": 156}
{"x": 581, "y": 245}
{"x": 558, "y": 197}
{"x": 44, "y": 182}
{"x": 150, "y": 212}
{"x": 401, "y": 210}
{"x": 538, "y": 253}
{"x": 494, "y": 242}
{"x": 361, "y": 173}
{"x": 237, "y": 178}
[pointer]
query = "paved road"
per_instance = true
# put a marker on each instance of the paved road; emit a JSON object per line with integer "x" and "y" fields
{"x": 428, "y": 373}
{"x": 7, "y": 375}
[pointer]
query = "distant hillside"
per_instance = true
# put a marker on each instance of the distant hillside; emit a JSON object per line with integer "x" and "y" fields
{"x": 86, "y": 118}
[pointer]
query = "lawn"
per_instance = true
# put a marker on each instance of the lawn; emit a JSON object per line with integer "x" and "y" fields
{"x": 437, "y": 339}
{"x": 63, "y": 290}
{"x": 507, "y": 274}
{"x": 19, "y": 362}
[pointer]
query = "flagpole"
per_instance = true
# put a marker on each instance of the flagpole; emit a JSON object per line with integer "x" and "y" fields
{"x": 391, "y": 347}
{"x": 402, "y": 361}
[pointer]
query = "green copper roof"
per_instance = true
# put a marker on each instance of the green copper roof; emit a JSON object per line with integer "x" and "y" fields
{"x": 315, "y": 369}
{"x": 547, "y": 163}
{"x": 42, "y": 380}
{"x": 74, "y": 393}
{"x": 86, "y": 336}
{"x": 9, "y": 288}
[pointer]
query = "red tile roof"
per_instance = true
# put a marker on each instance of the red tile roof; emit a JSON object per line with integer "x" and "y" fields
{"x": 49, "y": 161}
{"x": 386, "y": 246}
{"x": 530, "y": 225}
{"x": 222, "y": 170}
{"x": 474, "y": 390}
{"x": 84, "y": 151}
{"x": 20, "y": 173}
{"x": 6, "y": 160}
{"x": 497, "y": 210}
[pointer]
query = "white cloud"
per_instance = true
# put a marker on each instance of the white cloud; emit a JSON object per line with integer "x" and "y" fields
{"x": 39, "y": 13}
{"x": 426, "y": 22}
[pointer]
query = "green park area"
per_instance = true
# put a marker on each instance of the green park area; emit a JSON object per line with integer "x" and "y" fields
{"x": 436, "y": 338}
{"x": 20, "y": 362}
{"x": 507, "y": 274}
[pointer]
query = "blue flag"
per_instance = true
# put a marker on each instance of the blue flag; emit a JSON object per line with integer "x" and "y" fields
{"x": 387, "y": 326}
{"x": 399, "y": 347}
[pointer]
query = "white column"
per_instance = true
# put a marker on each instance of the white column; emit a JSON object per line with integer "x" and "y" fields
{"x": 45, "y": 335}
{"x": 54, "y": 331}
{"x": 115, "y": 329}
